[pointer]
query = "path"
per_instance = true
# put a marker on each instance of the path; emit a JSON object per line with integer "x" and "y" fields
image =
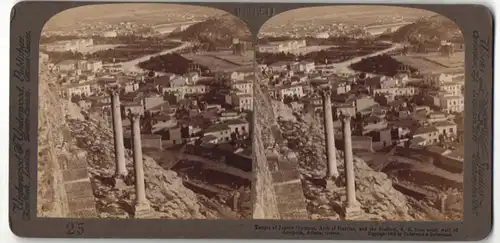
{"x": 288, "y": 187}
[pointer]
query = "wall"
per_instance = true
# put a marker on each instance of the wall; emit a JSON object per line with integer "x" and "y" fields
{"x": 264, "y": 200}
{"x": 64, "y": 188}
{"x": 450, "y": 164}
{"x": 151, "y": 141}
{"x": 265, "y": 205}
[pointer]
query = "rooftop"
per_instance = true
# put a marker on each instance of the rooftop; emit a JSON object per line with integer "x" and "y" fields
{"x": 424, "y": 130}
{"x": 73, "y": 85}
{"x": 418, "y": 140}
{"x": 217, "y": 127}
{"x": 437, "y": 150}
{"x": 444, "y": 124}
{"x": 208, "y": 138}
{"x": 68, "y": 62}
{"x": 235, "y": 122}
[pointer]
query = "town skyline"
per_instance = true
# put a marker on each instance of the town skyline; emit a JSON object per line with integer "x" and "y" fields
{"x": 197, "y": 121}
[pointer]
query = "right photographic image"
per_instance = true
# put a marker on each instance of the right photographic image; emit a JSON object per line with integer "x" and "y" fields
{"x": 359, "y": 115}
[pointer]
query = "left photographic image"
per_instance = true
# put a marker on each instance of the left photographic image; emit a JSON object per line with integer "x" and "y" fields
{"x": 145, "y": 111}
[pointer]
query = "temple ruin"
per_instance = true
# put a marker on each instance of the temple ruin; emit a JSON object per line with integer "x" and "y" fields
{"x": 121, "y": 170}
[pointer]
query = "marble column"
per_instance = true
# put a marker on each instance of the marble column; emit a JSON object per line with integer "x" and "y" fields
{"x": 121, "y": 170}
{"x": 329, "y": 134}
{"x": 141, "y": 202}
{"x": 352, "y": 209}
{"x": 236, "y": 197}
{"x": 442, "y": 202}
{"x": 348, "y": 160}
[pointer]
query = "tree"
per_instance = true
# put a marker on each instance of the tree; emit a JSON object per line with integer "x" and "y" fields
{"x": 287, "y": 99}
{"x": 170, "y": 97}
{"x": 76, "y": 98}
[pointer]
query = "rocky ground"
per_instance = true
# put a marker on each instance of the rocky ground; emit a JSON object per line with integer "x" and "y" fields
{"x": 49, "y": 145}
{"x": 164, "y": 188}
{"x": 65, "y": 130}
{"x": 378, "y": 199}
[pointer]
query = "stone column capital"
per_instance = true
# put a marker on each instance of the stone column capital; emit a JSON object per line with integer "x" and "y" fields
{"x": 345, "y": 117}
{"x": 325, "y": 91}
{"x": 113, "y": 89}
{"x": 134, "y": 116}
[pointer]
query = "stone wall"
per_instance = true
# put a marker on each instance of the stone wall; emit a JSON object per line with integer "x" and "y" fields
{"x": 153, "y": 141}
{"x": 265, "y": 205}
{"x": 64, "y": 188}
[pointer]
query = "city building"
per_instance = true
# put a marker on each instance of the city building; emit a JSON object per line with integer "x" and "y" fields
{"x": 67, "y": 65}
{"x": 446, "y": 128}
{"x": 428, "y": 135}
{"x": 451, "y": 104}
{"x": 453, "y": 88}
{"x": 242, "y": 102}
{"x": 281, "y": 92}
{"x": 109, "y": 34}
{"x": 436, "y": 80}
{"x": 303, "y": 66}
{"x": 243, "y": 87}
{"x": 238, "y": 126}
{"x": 291, "y": 46}
{"x": 77, "y": 45}
{"x": 323, "y": 35}
{"x": 221, "y": 131}
{"x": 397, "y": 91}
{"x": 76, "y": 89}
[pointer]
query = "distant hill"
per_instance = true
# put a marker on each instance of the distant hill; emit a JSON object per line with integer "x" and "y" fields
{"x": 216, "y": 32}
{"x": 432, "y": 29}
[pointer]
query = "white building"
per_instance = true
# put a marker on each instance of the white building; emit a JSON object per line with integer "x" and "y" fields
{"x": 452, "y": 104}
{"x": 67, "y": 65}
{"x": 397, "y": 91}
{"x": 280, "y": 93}
{"x": 436, "y": 80}
{"x": 242, "y": 101}
{"x": 291, "y": 46}
{"x": 304, "y": 66}
{"x": 323, "y": 35}
{"x": 77, "y": 45}
{"x": 109, "y": 34}
{"x": 453, "y": 88}
{"x": 77, "y": 89}
{"x": 243, "y": 86}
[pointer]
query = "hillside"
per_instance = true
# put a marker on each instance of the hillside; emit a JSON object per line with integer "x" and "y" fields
{"x": 432, "y": 29}
{"x": 216, "y": 32}
{"x": 66, "y": 131}
{"x": 304, "y": 135}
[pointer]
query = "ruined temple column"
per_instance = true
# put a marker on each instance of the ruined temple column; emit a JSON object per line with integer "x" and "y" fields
{"x": 141, "y": 202}
{"x": 329, "y": 134}
{"x": 121, "y": 170}
{"x": 442, "y": 203}
{"x": 236, "y": 197}
{"x": 351, "y": 205}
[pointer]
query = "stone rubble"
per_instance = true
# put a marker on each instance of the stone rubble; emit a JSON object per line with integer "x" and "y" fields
{"x": 374, "y": 191}
{"x": 169, "y": 198}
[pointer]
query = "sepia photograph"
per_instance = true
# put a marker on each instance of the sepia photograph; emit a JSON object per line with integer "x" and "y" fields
{"x": 145, "y": 111}
{"x": 359, "y": 115}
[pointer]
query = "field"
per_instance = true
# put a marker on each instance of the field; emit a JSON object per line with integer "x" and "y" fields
{"x": 344, "y": 14}
{"x": 217, "y": 61}
{"x": 457, "y": 60}
{"x": 245, "y": 59}
{"x": 433, "y": 62}
{"x": 135, "y": 12}
{"x": 97, "y": 48}
{"x": 334, "y": 54}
